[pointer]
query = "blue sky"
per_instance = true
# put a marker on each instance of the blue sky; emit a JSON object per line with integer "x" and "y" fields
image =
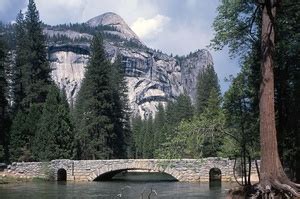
{"x": 173, "y": 26}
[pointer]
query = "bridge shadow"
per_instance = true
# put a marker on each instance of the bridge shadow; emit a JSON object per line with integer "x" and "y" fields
{"x": 138, "y": 175}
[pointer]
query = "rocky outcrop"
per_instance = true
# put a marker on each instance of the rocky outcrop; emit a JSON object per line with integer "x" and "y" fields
{"x": 191, "y": 66}
{"x": 68, "y": 71}
{"x": 153, "y": 77}
{"x": 115, "y": 21}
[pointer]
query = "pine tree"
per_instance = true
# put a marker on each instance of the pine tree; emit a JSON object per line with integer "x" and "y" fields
{"x": 93, "y": 109}
{"x": 184, "y": 108}
{"x": 121, "y": 110}
{"x": 20, "y": 61}
{"x": 37, "y": 69}
{"x": 213, "y": 115}
{"x": 137, "y": 134}
{"x": 22, "y": 132}
{"x": 148, "y": 138}
{"x": 159, "y": 128}
{"x": 54, "y": 136}
{"x": 206, "y": 81}
{"x": 31, "y": 80}
{"x": 4, "y": 114}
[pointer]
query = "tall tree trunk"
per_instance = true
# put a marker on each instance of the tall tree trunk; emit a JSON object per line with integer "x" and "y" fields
{"x": 271, "y": 167}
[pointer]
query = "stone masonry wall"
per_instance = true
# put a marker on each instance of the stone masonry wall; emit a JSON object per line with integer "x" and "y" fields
{"x": 189, "y": 170}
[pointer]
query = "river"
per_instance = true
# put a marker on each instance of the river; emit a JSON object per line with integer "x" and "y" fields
{"x": 131, "y": 188}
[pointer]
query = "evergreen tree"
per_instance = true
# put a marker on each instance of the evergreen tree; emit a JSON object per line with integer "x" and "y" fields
{"x": 148, "y": 138}
{"x": 206, "y": 81}
{"x": 37, "y": 69}
{"x": 20, "y": 61}
{"x": 287, "y": 84}
{"x": 4, "y": 112}
{"x": 137, "y": 134}
{"x": 121, "y": 110}
{"x": 213, "y": 115}
{"x": 184, "y": 108}
{"x": 31, "y": 81}
{"x": 94, "y": 110}
{"x": 22, "y": 133}
{"x": 159, "y": 128}
{"x": 54, "y": 136}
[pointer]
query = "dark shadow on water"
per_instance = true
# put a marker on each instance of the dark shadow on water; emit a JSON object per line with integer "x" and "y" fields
{"x": 131, "y": 176}
{"x": 215, "y": 185}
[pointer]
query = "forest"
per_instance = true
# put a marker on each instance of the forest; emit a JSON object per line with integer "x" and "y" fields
{"x": 257, "y": 116}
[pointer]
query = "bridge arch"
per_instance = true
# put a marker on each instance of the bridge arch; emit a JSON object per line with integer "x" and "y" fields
{"x": 215, "y": 174}
{"x": 107, "y": 172}
{"x": 61, "y": 174}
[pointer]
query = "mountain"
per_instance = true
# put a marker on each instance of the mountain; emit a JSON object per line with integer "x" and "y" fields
{"x": 113, "y": 20}
{"x": 153, "y": 77}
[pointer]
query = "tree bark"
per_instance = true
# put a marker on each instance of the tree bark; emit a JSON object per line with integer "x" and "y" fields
{"x": 271, "y": 167}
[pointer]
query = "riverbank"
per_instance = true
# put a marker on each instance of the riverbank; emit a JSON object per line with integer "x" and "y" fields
{"x": 10, "y": 179}
{"x": 5, "y": 178}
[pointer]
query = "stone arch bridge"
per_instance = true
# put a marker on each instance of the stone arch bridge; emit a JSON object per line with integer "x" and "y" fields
{"x": 186, "y": 170}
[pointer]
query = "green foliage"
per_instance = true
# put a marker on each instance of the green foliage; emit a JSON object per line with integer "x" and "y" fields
{"x": 54, "y": 136}
{"x": 148, "y": 141}
{"x": 152, "y": 135}
{"x": 236, "y": 26}
{"x": 206, "y": 81}
{"x": 31, "y": 78}
{"x": 94, "y": 109}
{"x": 242, "y": 113}
{"x": 36, "y": 69}
{"x": 287, "y": 84}
{"x": 121, "y": 110}
{"x": 4, "y": 112}
{"x": 23, "y": 129}
{"x": 84, "y": 28}
{"x": 213, "y": 125}
{"x": 137, "y": 134}
{"x": 159, "y": 128}
{"x": 200, "y": 136}
{"x": 177, "y": 132}
{"x": 101, "y": 110}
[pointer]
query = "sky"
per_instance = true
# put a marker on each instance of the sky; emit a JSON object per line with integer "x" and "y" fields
{"x": 172, "y": 26}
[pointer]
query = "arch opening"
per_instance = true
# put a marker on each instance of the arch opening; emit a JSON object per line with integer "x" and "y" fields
{"x": 215, "y": 177}
{"x": 215, "y": 174}
{"x": 140, "y": 175}
{"x": 61, "y": 175}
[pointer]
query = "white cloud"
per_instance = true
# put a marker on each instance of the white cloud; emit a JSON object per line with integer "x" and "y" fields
{"x": 149, "y": 28}
{"x": 60, "y": 11}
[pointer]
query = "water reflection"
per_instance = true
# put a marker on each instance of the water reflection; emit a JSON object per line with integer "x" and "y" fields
{"x": 215, "y": 185}
{"x": 143, "y": 176}
{"x": 124, "y": 185}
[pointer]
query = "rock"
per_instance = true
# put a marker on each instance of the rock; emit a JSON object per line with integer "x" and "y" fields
{"x": 114, "y": 20}
{"x": 68, "y": 71}
{"x": 191, "y": 66}
{"x": 153, "y": 77}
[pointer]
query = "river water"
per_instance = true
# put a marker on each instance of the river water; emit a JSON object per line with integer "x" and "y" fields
{"x": 118, "y": 188}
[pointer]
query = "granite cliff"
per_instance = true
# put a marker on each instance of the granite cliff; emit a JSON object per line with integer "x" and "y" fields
{"x": 153, "y": 77}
